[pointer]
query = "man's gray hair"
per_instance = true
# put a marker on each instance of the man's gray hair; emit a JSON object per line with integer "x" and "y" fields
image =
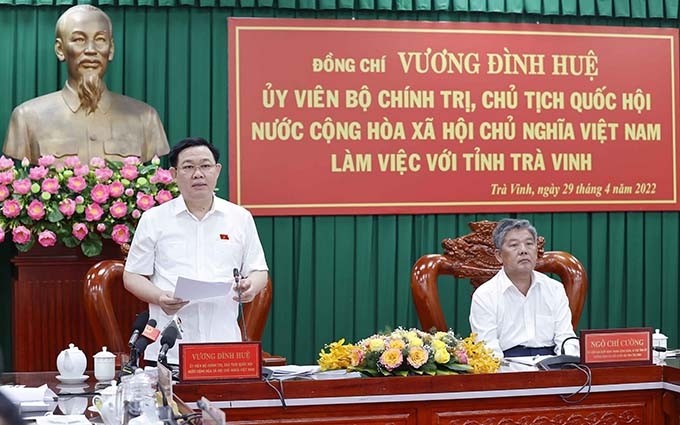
{"x": 80, "y": 8}
{"x": 508, "y": 224}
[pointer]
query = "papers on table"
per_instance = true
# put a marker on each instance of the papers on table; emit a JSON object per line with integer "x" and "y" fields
{"x": 62, "y": 420}
{"x": 193, "y": 290}
{"x": 308, "y": 372}
{"x": 673, "y": 353}
{"x": 30, "y": 399}
{"x": 522, "y": 363}
{"x": 292, "y": 371}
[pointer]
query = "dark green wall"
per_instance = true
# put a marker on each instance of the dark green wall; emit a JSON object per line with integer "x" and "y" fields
{"x": 347, "y": 276}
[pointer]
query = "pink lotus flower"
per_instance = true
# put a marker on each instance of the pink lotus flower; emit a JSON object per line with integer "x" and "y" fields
{"x": 161, "y": 176}
{"x": 76, "y": 184}
{"x": 144, "y": 201}
{"x": 47, "y": 238}
{"x": 21, "y": 235}
{"x": 11, "y": 208}
{"x": 100, "y": 193}
{"x": 5, "y": 163}
{"x": 37, "y": 173}
{"x": 103, "y": 174}
{"x": 88, "y": 199}
{"x": 129, "y": 172}
{"x": 21, "y": 187}
{"x": 67, "y": 207}
{"x": 50, "y": 185}
{"x": 97, "y": 162}
{"x": 79, "y": 231}
{"x": 36, "y": 210}
{"x": 71, "y": 161}
{"x": 120, "y": 234}
{"x": 81, "y": 170}
{"x": 94, "y": 212}
{"x": 6, "y": 177}
{"x": 116, "y": 189}
{"x": 46, "y": 160}
{"x": 163, "y": 196}
{"x": 118, "y": 209}
{"x": 132, "y": 160}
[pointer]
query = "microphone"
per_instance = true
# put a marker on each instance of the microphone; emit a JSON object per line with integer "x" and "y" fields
{"x": 168, "y": 338}
{"x": 149, "y": 335}
{"x": 150, "y": 330}
{"x": 237, "y": 279}
{"x": 137, "y": 327}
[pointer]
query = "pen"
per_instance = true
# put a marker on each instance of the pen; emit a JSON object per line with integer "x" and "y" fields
{"x": 511, "y": 360}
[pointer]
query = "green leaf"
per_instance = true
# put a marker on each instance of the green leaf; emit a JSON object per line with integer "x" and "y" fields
{"x": 91, "y": 246}
{"x": 144, "y": 170}
{"x": 364, "y": 370}
{"x": 54, "y": 216}
{"x": 466, "y": 368}
{"x": 445, "y": 372}
{"x": 70, "y": 241}
{"x": 26, "y": 246}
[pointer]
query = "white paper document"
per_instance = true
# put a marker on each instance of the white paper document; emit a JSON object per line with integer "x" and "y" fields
{"x": 22, "y": 394}
{"x": 30, "y": 399}
{"x": 192, "y": 290}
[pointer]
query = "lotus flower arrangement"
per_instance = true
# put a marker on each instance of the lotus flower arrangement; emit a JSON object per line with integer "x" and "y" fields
{"x": 404, "y": 352}
{"x": 78, "y": 204}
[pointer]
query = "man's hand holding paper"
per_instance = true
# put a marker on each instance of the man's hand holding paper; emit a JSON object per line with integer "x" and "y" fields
{"x": 170, "y": 304}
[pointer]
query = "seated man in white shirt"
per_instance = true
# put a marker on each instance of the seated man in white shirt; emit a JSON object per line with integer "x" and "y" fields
{"x": 199, "y": 236}
{"x": 521, "y": 312}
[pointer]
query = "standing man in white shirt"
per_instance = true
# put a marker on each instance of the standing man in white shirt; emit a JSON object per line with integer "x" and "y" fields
{"x": 521, "y": 312}
{"x": 199, "y": 236}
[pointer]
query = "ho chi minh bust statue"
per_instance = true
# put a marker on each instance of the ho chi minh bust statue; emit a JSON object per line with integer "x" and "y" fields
{"x": 84, "y": 118}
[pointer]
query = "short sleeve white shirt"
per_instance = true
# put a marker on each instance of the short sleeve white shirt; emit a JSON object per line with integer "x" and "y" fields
{"x": 504, "y": 317}
{"x": 170, "y": 242}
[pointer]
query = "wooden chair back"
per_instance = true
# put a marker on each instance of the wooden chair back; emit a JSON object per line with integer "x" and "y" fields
{"x": 473, "y": 257}
{"x": 106, "y": 300}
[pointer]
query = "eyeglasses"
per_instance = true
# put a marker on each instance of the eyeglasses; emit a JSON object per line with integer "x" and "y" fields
{"x": 191, "y": 169}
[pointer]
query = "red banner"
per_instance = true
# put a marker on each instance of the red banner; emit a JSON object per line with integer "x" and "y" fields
{"x": 378, "y": 117}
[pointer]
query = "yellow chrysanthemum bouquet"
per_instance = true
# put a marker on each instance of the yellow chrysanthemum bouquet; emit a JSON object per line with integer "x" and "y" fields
{"x": 410, "y": 352}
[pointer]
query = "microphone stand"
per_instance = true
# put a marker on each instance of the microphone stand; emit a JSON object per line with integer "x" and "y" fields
{"x": 129, "y": 367}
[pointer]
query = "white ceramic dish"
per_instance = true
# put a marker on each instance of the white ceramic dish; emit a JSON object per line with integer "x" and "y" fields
{"x": 75, "y": 380}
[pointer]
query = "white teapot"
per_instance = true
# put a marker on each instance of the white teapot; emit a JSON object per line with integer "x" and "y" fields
{"x": 109, "y": 404}
{"x": 71, "y": 363}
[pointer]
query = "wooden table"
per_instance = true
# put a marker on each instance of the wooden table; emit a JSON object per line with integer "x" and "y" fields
{"x": 646, "y": 395}
{"x": 623, "y": 395}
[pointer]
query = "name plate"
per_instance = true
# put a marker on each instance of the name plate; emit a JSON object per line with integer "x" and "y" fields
{"x": 630, "y": 346}
{"x": 220, "y": 361}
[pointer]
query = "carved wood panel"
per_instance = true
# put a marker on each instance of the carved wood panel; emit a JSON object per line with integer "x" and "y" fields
{"x": 610, "y": 414}
{"x": 332, "y": 416}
